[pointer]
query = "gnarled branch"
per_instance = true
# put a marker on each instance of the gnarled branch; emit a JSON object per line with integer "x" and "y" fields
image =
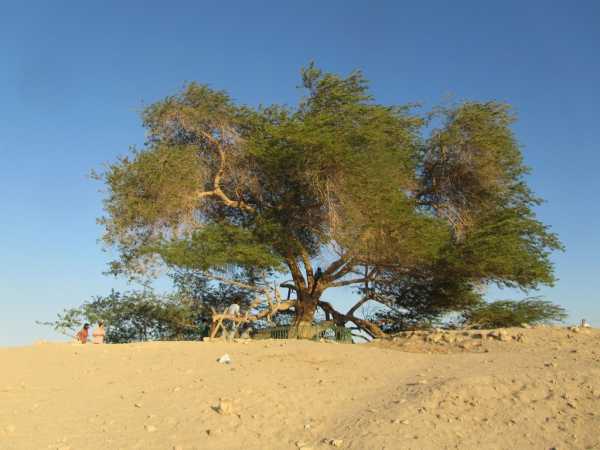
{"x": 217, "y": 190}
{"x": 369, "y": 327}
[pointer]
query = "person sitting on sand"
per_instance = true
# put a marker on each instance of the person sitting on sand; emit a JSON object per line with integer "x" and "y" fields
{"x": 82, "y": 335}
{"x": 99, "y": 333}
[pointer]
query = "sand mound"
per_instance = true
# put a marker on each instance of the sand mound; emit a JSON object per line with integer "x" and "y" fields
{"x": 540, "y": 390}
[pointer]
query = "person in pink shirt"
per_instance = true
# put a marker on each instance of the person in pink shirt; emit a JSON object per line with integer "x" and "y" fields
{"x": 99, "y": 333}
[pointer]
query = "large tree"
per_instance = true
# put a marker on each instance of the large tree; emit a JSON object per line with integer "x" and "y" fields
{"x": 248, "y": 195}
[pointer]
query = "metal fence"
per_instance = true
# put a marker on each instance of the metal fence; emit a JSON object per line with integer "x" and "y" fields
{"x": 332, "y": 333}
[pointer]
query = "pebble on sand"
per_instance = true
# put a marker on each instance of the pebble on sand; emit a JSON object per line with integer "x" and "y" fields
{"x": 225, "y": 407}
{"x": 398, "y": 422}
{"x": 303, "y": 446}
{"x": 225, "y": 359}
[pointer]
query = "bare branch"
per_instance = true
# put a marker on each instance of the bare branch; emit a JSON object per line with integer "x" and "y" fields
{"x": 348, "y": 282}
{"x": 365, "y": 279}
{"x": 295, "y": 271}
{"x": 334, "y": 266}
{"x": 289, "y": 286}
{"x": 369, "y": 327}
{"x": 358, "y": 304}
{"x": 217, "y": 190}
{"x": 237, "y": 283}
{"x": 307, "y": 265}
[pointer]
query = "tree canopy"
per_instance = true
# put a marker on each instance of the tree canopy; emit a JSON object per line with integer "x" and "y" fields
{"x": 420, "y": 211}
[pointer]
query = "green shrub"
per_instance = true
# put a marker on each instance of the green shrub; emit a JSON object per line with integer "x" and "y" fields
{"x": 511, "y": 313}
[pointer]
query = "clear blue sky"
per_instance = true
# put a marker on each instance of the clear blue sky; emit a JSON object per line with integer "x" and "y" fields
{"x": 73, "y": 76}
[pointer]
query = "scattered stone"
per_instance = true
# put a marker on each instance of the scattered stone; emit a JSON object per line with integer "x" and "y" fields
{"x": 448, "y": 338}
{"x": 307, "y": 426}
{"x": 225, "y": 407}
{"x": 525, "y": 325}
{"x": 493, "y": 335}
{"x": 150, "y": 428}
{"x": 225, "y": 359}
{"x": 303, "y": 446}
{"x": 504, "y": 336}
{"x": 137, "y": 405}
{"x": 400, "y": 422}
{"x": 336, "y": 442}
{"x": 434, "y": 338}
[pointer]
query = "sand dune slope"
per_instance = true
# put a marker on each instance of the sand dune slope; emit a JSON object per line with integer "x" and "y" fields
{"x": 541, "y": 392}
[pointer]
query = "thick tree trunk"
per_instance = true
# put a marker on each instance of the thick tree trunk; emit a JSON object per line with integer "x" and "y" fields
{"x": 306, "y": 307}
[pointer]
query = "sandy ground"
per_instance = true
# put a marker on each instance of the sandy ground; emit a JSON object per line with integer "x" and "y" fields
{"x": 537, "y": 389}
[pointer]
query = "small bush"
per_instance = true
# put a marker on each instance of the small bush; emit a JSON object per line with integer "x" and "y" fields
{"x": 510, "y": 313}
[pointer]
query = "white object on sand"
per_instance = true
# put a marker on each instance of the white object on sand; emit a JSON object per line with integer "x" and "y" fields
{"x": 225, "y": 359}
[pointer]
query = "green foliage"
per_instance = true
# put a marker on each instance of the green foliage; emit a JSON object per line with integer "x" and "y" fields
{"x": 145, "y": 315}
{"x": 221, "y": 188}
{"x": 422, "y": 298}
{"x": 473, "y": 175}
{"x": 508, "y": 313}
{"x": 137, "y": 316}
{"x": 220, "y": 246}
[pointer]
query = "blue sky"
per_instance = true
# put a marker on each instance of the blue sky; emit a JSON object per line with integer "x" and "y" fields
{"x": 74, "y": 75}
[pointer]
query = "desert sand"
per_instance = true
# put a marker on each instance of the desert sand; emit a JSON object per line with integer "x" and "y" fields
{"x": 523, "y": 389}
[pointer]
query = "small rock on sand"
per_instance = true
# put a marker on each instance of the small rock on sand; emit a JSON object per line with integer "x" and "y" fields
{"x": 225, "y": 359}
{"x": 303, "y": 446}
{"x": 400, "y": 422}
{"x": 225, "y": 407}
{"x": 150, "y": 428}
